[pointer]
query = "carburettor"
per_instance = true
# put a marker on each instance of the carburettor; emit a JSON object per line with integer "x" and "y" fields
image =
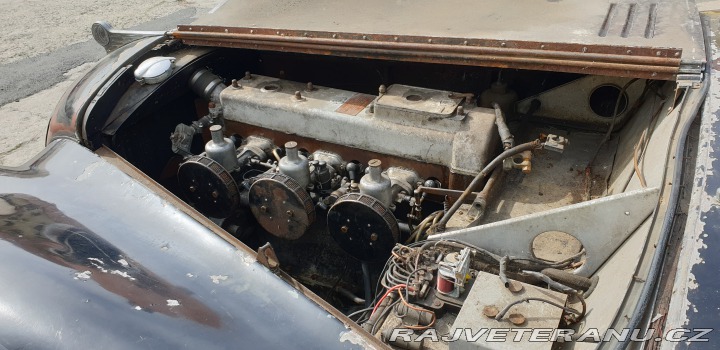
{"x": 348, "y": 158}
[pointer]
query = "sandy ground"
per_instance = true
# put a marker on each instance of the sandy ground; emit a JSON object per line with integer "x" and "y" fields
{"x": 46, "y": 45}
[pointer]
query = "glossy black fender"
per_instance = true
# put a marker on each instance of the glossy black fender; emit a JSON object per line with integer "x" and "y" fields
{"x": 92, "y": 259}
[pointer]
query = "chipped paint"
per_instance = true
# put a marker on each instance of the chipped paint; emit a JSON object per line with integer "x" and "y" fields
{"x": 248, "y": 259}
{"x": 354, "y": 338}
{"x": 172, "y": 302}
{"x": 217, "y": 278}
{"x": 6, "y": 208}
{"x": 88, "y": 171}
{"x": 138, "y": 308}
{"x": 122, "y": 274}
{"x": 123, "y": 262}
{"x": 694, "y": 292}
{"x": 293, "y": 293}
{"x": 97, "y": 260}
{"x": 99, "y": 267}
{"x": 85, "y": 275}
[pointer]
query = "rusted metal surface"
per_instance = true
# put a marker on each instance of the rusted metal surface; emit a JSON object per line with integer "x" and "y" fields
{"x": 355, "y": 104}
{"x": 281, "y": 206}
{"x": 440, "y": 172}
{"x": 650, "y": 63}
{"x": 266, "y": 256}
{"x": 631, "y": 39}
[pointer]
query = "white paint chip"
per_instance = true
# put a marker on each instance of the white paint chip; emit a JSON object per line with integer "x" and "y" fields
{"x": 85, "y": 275}
{"x": 123, "y": 262}
{"x": 6, "y": 208}
{"x": 173, "y": 302}
{"x": 122, "y": 274}
{"x": 217, "y": 278}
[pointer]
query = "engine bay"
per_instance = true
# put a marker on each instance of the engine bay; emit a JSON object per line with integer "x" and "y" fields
{"x": 365, "y": 191}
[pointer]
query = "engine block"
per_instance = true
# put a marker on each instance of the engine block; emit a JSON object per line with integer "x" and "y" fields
{"x": 423, "y": 129}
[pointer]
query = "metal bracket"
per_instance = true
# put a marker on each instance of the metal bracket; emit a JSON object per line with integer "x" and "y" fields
{"x": 266, "y": 257}
{"x": 601, "y": 225}
{"x": 112, "y": 39}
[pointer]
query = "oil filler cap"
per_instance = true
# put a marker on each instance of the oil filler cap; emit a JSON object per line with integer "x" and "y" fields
{"x": 154, "y": 70}
{"x": 281, "y": 206}
{"x": 363, "y": 227}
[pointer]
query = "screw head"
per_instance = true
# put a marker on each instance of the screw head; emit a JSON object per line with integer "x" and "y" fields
{"x": 192, "y": 188}
{"x": 248, "y": 76}
{"x": 515, "y": 287}
{"x": 263, "y": 209}
{"x": 290, "y": 213}
{"x": 310, "y": 86}
{"x": 373, "y": 237}
{"x": 344, "y": 229}
{"x": 490, "y": 311}
{"x": 298, "y": 96}
{"x": 517, "y": 319}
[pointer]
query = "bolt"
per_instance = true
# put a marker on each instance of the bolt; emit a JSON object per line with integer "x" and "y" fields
{"x": 382, "y": 90}
{"x": 215, "y": 194}
{"x": 263, "y": 209}
{"x": 460, "y": 111}
{"x": 490, "y": 311}
{"x": 309, "y": 87}
{"x": 515, "y": 287}
{"x": 373, "y": 236}
{"x": 298, "y": 96}
{"x": 235, "y": 84}
{"x": 290, "y": 213}
{"x": 248, "y": 76}
{"x": 193, "y": 188}
{"x": 517, "y": 319}
{"x": 344, "y": 229}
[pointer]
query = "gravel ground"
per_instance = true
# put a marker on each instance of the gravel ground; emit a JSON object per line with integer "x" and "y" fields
{"x": 46, "y": 45}
{"x": 33, "y": 27}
